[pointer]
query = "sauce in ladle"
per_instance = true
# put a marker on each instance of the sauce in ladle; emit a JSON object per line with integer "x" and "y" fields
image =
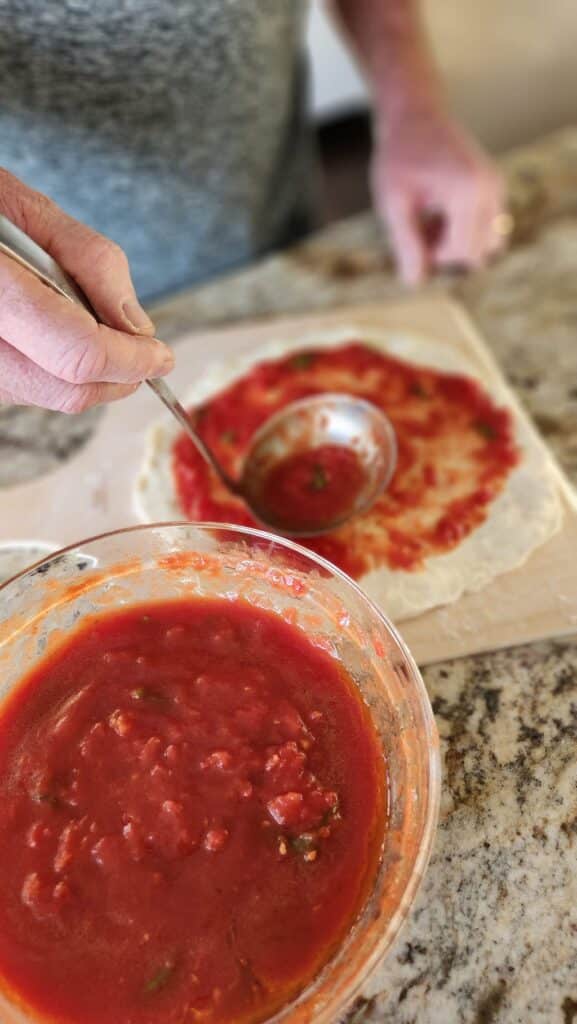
{"x": 308, "y": 488}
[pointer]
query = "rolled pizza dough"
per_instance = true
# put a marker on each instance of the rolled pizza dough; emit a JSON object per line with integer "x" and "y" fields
{"x": 524, "y": 515}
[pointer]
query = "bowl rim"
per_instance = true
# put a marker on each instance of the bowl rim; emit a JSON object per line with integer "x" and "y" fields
{"x": 433, "y": 758}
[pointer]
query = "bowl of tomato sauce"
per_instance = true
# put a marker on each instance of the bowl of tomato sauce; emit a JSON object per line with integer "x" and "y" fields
{"x": 219, "y": 782}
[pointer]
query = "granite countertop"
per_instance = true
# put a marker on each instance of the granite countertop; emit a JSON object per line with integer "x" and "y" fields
{"x": 493, "y": 935}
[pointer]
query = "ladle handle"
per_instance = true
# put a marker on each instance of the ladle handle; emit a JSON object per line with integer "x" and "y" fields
{"x": 20, "y": 247}
{"x": 167, "y": 396}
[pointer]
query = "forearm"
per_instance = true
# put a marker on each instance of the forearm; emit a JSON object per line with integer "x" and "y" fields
{"x": 390, "y": 41}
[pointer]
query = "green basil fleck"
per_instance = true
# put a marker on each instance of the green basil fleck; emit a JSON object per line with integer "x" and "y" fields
{"x": 142, "y": 693}
{"x": 302, "y": 360}
{"x": 49, "y": 798}
{"x": 486, "y": 430}
{"x": 304, "y": 843}
{"x": 319, "y": 479}
{"x": 160, "y": 979}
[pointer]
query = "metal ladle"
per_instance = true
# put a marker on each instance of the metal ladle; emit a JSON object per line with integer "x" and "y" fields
{"x": 327, "y": 419}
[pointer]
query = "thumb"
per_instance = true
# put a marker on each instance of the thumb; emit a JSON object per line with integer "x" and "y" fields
{"x": 409, "y": 244}
{"x": 97, "y": 264}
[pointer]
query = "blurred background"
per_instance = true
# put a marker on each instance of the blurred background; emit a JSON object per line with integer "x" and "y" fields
{"x": 509, "y": 67}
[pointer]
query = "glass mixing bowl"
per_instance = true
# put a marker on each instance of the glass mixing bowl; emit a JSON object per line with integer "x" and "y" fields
{"x": 40, "y": 606}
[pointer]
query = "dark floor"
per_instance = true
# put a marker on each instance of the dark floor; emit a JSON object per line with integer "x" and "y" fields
{"x": 344, "y": 148}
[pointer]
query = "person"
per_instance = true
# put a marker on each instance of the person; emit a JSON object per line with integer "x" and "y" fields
{"x": 172, "y": 138}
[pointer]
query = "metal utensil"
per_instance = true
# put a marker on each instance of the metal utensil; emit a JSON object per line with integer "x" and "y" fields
{"x": 311, "y": 424}
{"x": 328, "y": 419}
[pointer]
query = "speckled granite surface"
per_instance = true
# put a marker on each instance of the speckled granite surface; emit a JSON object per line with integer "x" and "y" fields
{"x": 493, "y": 937}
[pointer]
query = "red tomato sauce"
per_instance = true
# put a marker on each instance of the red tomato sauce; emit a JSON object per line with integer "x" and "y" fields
{"x": 192, "y": 806}
{"x": 456, "y": 450}
{"x": 310, "y": 488}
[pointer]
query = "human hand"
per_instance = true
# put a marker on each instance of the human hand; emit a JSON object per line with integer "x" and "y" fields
{"x": 428, "y": 169}
{"x": 52, "y": 352}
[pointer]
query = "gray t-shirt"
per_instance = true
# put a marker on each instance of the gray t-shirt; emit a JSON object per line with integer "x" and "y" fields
{"x": 175, "y": 127}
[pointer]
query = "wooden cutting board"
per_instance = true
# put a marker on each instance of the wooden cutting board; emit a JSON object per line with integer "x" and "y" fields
{"x": 93, "y": 491}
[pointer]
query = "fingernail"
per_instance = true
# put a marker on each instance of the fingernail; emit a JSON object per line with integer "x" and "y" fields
{"x": 138, "y": 320}
{"x": 165, "y": 359}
